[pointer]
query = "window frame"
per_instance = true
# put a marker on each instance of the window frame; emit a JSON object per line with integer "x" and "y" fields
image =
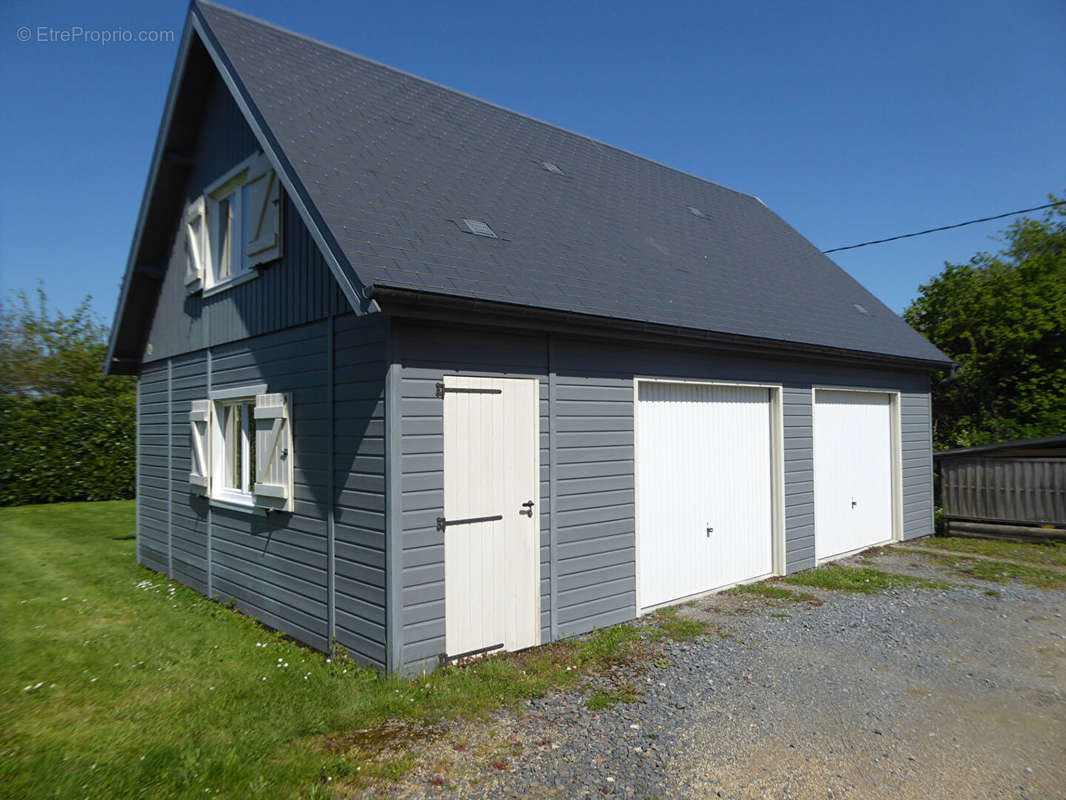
{"x": 221, "y": 401}
{"x": 230, "y": 185}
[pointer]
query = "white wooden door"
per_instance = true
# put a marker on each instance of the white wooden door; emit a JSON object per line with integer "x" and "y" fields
{"x": 704, "y": 480}
{"x": 852, "y": 471}
{"x": 491, "y": 515}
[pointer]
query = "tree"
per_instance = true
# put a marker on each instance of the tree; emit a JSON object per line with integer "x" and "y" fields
{"x": 1002, "y": 317}
{"x": 45, "y": 352}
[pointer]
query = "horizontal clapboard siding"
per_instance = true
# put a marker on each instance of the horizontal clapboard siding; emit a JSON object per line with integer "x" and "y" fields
{"x": 590, "y": 422}
{"x": 274, "y": 567}
{"x": 359, "y": 485}
{"x": 189, "y": 518}
{"x": 916, "y": 429}
{"x": 421, "y": 459}
{"x": 152, "y": 470}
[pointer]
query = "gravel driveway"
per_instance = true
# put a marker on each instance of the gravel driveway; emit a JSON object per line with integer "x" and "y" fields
{"x": 957, "y": 693}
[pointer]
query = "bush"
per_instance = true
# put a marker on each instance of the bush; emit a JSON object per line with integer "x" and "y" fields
{"x": 55, "y": 449}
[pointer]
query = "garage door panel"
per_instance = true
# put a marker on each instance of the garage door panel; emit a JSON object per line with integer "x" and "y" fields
{"x": 853, "y": 471}
{"x": 704, "y": 484}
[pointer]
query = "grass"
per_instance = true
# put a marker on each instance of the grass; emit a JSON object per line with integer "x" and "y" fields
{"x": 604, "y": 699}
{"x": 117, "y": 682}
{"x": 772, "y": 590}
{"x": 1050, "y": 553}
{"x": 860, "y": 579}
{"x": 669, "y": 624}
{"x": 1002, "y": 572}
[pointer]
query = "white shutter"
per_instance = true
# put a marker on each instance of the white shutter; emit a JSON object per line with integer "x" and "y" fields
{"x": 200, "y": 472}
{"x": 195, "y": 245}
{"x": 273, "y": 452}
{"x": 262, "y": 198}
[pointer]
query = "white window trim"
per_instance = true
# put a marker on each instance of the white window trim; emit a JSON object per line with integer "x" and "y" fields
{"x": 221, "y": 495}
{"x": 230, "y": 183}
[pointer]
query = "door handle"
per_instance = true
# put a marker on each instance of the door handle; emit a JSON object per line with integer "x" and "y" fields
{"x": 527, "y": 508}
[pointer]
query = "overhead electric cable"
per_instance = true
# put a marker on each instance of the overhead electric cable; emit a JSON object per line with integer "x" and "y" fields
{"x": 946, "y": 227}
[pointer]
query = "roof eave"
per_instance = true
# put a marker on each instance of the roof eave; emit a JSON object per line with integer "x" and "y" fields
{"x": 498, "y": 311}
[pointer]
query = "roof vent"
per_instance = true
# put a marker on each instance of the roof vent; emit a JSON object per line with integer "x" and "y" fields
{"x": 479, "y": 228}
{"x": 696, "y": 212}
{"x": 860, "y": 309}
{"x": 551, "y": 167}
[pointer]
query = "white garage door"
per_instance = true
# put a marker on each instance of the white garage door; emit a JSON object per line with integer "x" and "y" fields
{"x": 705, "y": 503}
{"x": 852, "y": 471}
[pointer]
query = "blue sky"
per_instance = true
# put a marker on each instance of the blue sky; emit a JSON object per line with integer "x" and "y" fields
{"x": 853, "y": 121}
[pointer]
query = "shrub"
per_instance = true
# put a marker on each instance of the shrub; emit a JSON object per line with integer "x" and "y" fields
{"x": 56, "y": 449}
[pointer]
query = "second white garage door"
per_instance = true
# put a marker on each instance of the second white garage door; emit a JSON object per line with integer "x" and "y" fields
{"x": 705, "y": 488}
{"x": 852, "y": 471}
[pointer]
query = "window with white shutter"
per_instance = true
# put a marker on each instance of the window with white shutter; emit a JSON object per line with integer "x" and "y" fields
{"x": 273, "y": 482}
{"x": 262, "y": 212}
{"x": 200, "y": 461}
{"x": 235, "y": 228}
{"x": 195, "y": 245}
{"x": 242, "y": 449}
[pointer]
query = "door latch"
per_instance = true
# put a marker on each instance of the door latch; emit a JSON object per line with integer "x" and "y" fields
{"x": 527, "y": 508}
{"x": 710, "y": 530}
{"x": 854, "y": 503}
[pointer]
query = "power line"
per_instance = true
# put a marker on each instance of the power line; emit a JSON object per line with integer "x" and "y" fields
{"x": 946, "y": 227}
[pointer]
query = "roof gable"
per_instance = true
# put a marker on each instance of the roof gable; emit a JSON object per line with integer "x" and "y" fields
{"x": 386, "y": 168}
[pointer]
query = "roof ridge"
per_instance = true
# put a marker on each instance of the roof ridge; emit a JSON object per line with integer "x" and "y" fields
{"x": 475, "y": 98}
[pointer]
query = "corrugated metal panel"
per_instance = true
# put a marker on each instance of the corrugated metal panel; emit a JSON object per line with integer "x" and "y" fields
{"x": 1023, "y": 490}
{"x": 295, "y": 290}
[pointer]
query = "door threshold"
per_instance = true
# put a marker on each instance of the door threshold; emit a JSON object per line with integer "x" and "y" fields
{"x": 847, "y": 553}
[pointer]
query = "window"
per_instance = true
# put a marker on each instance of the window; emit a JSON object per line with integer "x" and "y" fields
{"x": 233, "y": 227}
{"x": 241, "y": 445}
{"x": 238, "y": 445}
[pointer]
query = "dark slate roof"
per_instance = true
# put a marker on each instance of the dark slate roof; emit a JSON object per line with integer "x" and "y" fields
{"x": 394, "y": 164}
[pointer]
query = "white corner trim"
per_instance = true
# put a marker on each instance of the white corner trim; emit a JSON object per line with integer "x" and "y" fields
{"x": 229, "y": 283}
{"x": 238, "y": 392}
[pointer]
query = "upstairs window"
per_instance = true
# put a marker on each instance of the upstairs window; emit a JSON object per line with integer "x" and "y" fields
{"x": 233, "y": 228}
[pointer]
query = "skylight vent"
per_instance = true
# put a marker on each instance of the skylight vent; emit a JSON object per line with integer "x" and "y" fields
{"x": 552, "y": 167}
{"x": 479, "y": 228}
{"x": 860, "y": 309}
{"x": 696, "y": 212}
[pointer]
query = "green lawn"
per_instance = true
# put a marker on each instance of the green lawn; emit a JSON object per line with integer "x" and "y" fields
{"x": 1042, "y": 553}
{"x": 116, "y": 682}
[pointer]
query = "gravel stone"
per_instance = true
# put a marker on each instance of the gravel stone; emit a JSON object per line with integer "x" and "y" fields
{"x": 905, "y": 694}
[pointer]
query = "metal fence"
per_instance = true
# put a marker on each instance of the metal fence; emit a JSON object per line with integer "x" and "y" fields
{"x": 1017, "y": 490}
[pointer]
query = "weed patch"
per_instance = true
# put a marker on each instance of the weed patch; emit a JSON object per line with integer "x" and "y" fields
{"x": 774, "y": 591}
{"x": 860, "y": 579}
{"x": 1003, "y": 572}
{"x": 604, "y": 699}
{"x": 1053, "y": 553}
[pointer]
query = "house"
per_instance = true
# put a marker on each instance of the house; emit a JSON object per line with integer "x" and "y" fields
{"x": 1015, "y": 489}
{"x": 426, "y": 377}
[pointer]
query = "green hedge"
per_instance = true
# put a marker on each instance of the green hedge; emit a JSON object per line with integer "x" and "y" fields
{"x": 66, "y": 448}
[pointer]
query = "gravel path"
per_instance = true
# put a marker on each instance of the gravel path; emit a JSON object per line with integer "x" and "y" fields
{"x": 906, "y": 694}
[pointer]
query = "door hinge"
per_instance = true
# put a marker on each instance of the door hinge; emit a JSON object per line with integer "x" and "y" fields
{"x": 443, "y": 523}
{"x": 442, "y": 389}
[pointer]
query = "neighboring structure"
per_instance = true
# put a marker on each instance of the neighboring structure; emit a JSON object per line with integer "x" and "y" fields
{"x": 1013, "y": 488}
{"x": 425, "y": 376}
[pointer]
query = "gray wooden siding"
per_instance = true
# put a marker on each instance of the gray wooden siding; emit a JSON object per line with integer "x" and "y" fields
{"x": 359, "y": 481}
{"x": 152, "y": 505}
{"x": 276, "y": 567}
{"x": 422, "y": 481}
{"x": 587, "y": 433}
{"x": 294, "y": 290}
